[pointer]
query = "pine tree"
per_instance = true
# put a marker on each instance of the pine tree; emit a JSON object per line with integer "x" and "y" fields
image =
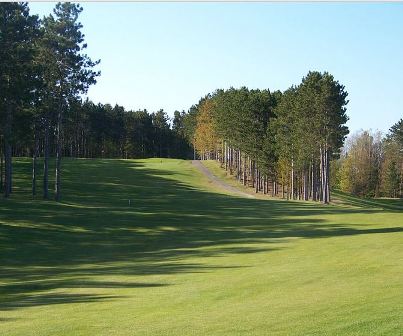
{"x": 18, "y": 31}
{"x": 68, "y": 71}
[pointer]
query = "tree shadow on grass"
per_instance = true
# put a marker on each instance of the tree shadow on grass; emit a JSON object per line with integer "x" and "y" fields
{"x": 96, "y": 233}
{"x": 45, "y": 285}
{"x": 389, "y": 204}
{"x": 44, "y": 299}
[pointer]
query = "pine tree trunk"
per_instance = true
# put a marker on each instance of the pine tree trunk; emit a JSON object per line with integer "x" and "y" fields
{"x": 58, "y": 156}
{"x": 324, "y": 179}
{"x": 225, "y": 155}
{"x": 306, "y": 189}
{"x": 231, "y": 160}
{"x": 250, "y": 173}
{"x": 401, "y": 181}
{"x": 7, "y": 169}
{"x": 298, "y": 196}
{"x": 46, "y": 162}
{"x": 322, "y": 170}
{"x": 244, "y": 170}
{"x": 253, "y": 172}
{"x": 261, "y": 182}
{"x": 239, "y": 165}
{"x": 222, "y": 157}
{"x": 1, "y": 167}
{"x": 292, "y": 179}
{"x": 321, "y": 176}
{"x": 313, "y": 181}
{"x": 327, "y": 175}
{"x": 34, "y": 159}
{"x": 7, "y": 153}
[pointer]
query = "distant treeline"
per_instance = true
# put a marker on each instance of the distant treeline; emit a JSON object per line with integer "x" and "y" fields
{"x": 372, "y": 164}
{"x": 102, "y": 131}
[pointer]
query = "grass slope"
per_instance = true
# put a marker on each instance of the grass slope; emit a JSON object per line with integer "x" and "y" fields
{"x": 184, "y": 259}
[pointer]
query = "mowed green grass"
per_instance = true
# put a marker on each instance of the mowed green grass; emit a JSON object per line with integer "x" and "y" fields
{"x": 185, "y": 259}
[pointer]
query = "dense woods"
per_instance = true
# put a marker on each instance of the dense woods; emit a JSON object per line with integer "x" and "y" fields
{"x": 288, "y": 144}
{"x": 102, "y": 131}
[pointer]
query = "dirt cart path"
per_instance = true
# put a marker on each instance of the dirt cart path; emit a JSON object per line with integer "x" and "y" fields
{"x": 217, "y": 181}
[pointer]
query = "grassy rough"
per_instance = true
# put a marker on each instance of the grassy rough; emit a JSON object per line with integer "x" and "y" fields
{"x": 185, "y": 259}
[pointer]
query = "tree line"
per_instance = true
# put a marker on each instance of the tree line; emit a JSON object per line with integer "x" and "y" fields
{"x": 102, "y": 131}
{"x": 277, "y": 142}
{"x": 371, "y": 164}
{"x": 292, "y": 143}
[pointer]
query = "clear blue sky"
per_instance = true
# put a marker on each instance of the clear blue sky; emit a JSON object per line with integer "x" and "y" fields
{"x": 168, "y": 55}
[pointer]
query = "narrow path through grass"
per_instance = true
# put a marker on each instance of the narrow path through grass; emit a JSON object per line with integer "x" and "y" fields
{"x": 217, "y": 181}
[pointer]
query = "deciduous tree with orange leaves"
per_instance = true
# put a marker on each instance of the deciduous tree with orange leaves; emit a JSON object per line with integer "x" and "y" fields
{"x": 206, "y": 139}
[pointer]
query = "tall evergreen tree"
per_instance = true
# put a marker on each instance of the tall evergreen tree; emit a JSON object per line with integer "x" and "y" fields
{"x": 18, "y": 31}
{"x": 69, "y": 71}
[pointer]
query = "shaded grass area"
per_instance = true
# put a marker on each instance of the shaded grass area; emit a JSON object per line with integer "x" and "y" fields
{"x": 394, "y": 204}
{"x": 184, "y": 258}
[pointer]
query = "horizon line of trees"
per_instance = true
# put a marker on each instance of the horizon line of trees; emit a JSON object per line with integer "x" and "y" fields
{"x": 102, "y": 131}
